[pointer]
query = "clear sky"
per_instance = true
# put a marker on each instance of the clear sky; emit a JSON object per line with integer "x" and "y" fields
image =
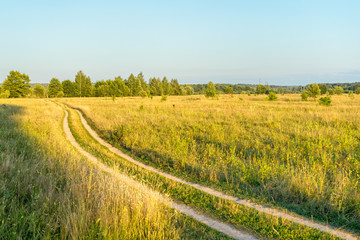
{"x": 288, "y": 42}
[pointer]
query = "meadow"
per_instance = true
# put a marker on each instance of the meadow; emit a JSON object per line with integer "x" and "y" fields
{"x": 287, "y": 153}
{"x": 50, "y": 191}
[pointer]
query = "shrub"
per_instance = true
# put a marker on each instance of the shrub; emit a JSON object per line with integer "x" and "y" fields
{"x": 351, "y": 95}
{"x": 313, "y": 90}
{"x": 163, "y": 98}
{"x": 210, "y": 90}
{"x": 142, "y": 93}
{"x": 5, "y": 94}
{"x": 326, "y": 101}
{"x": 272, "y": 96}
{"x": 304, "y": 96}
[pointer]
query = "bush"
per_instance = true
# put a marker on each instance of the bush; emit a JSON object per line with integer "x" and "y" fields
{"x": 304, "y": 96}
{"x": 351, "y": 95}
{"x": 272, "y": 96}
{"x": 5, "y": 94}
{"x": 60, "y": 94}
{"x": 210, "y": 90}
{"x": 326, "y": 101}
{"x": 163, "y": 98}
{"x": 142, "y": 93}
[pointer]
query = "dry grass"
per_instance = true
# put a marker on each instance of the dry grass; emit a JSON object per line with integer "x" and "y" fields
{"x": 287, "y": 152}
{"x": 48, "y": 190}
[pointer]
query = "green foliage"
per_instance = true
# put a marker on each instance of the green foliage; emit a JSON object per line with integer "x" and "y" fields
{"x": 142, "y": 93}
{"x": 60, "y": 94}
{"x": 338, "y": 90}
{"x": 156, "y": 86}
{"x": 5, "y": 94}
{"x": 323, "y": 89}
{"x": 176, "y": 88}
{"x": 17, "y": 84}
{"x": 326, "y": 101}
{"x": 39, "y": 91}
{"x": 163, "y": 98}
{"x": 69, "y": 88}
{"x": 54, "y": 88}
{"x": 261, "y": 89}
{"x": 357, "y": 91}
{"x": 272, "y": 96}
{"x": 210, "y": 90}
{"x": 189, "y": 90}
{"x": 83, "y": 85}
{"x": 229, "y": 90}
{"x": 313, "y": 90}
{"x": 166, "y": 87}
{"x": 304, "y": 96}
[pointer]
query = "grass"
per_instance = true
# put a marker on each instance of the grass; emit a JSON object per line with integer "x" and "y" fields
{"x": 240, "y": 216}
{"x": 288, "y": 153}
{"x": 49, "y": 191}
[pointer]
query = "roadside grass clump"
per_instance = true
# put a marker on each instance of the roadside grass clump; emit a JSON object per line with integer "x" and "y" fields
{"x": 49, "y": 191}
{"x": 291, "y": 154}
{"x": 228, "y": 211}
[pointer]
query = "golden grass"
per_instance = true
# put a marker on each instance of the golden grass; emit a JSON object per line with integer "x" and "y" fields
{"x": 48, "y": 190}
{"x": 288, "y": 152}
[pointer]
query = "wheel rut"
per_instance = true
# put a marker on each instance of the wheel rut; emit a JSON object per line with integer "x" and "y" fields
{"x": 215, "y": 224}
{"x": 244, "y": 202}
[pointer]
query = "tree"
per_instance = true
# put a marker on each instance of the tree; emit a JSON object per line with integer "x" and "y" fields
{"x": 69, "y": 88}
{"x": 189, "y": 90}
{"x": 156, "y": 87}
{"x": 261, "y": 89}
{"x": 338, "y": 90}
{"x": 313, "y": 90}
{"x": 54, "y": 88}
{"x": 166, "y": 86}
{"x": 39, "y": 91}
{"x": 228, "y": 90}
{"x": 304, "y": 96}
{"x": 83, "y": 85}
{"x": 210, "y": 90}
{"x": 5, "y": 94}
{"x": 177, "y": 89}
{"x": 272, "y": 96}
{"x": 17, "y": 84}
{"x": 357, "y": 91}
{"x": 323, "y": 89}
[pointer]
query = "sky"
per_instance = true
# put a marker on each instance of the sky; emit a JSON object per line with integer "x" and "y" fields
{"x": 278, "y": 42}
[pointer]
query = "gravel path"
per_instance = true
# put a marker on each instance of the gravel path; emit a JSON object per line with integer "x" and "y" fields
{"x": 247, "y": 203}
{"x": 217, "y": 225}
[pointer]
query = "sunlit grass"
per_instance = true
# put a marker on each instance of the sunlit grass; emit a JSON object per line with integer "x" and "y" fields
{"x": 287, "y": 152}
{"x": 48, "y": 190}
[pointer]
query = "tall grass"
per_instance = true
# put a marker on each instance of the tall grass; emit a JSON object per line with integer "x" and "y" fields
{"x": 48, "y": 190}
{"x": 299, "y": 155}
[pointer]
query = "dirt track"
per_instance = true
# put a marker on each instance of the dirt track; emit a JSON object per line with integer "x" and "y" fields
{"x": 219, "y": 226}
{"x": 247, "y": 203}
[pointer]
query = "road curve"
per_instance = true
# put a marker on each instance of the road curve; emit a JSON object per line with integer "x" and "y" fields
{"x": 217, "y": 225}
{"x": 247, "y": 203}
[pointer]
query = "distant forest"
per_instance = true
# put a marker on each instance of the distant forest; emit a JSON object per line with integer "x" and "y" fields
{"x": 18, "y": 85}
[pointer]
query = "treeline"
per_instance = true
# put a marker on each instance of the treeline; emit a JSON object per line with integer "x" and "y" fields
{"x": 18, "y": 85}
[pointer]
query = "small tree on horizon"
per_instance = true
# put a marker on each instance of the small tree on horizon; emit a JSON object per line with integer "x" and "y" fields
{"x": 18, "y": 84}
{"x": 39, "y": 91}
{"x": 210, "y": 90}
{"x": 54, "y": 88}
{"x": 313, "y": 90}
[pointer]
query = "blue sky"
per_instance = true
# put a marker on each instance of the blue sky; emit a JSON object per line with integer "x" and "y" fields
{"x": 280, "y": 42}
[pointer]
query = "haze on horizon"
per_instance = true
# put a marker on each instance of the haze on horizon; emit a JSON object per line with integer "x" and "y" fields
{"x": 279, "y": 42}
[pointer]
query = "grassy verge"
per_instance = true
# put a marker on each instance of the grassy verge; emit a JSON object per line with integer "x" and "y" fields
{"x": 49, "y": 191}
{"x": 242, "y": 217}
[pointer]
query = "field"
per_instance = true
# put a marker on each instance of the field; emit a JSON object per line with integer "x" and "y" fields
{"x": 288, "y": 154}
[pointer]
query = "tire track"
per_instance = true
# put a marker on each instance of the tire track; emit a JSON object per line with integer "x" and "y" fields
{"x": 217, "y": 225}
{"x": 244, "y": 202}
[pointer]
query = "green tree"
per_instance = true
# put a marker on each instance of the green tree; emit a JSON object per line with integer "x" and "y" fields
{"x": 39, "y": 91}
{"x": 338, "y": 90}
{"x": 5, "y": 94}
{"x": 313, "y": 90}
{"x": 323, "y": 89}
{"x": 156, "y": 87}
{"x": 83, "y": 85}
{"x": 69, "y": 88}
{"x": 54, "y": 87}
{"x": 176, "y": 88}
{"x": 210, "y": 90}
{"x": 304, "y": 96}
{"x": 189, "y": 90}
{"x": 357, "y": 91}
{"x": 261, "y": 89}
{"x": 272, "y": 96}
{"x": 166, "y": 86}
{"x": 17, "y": 84}
{"x": 228, "y": 90}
